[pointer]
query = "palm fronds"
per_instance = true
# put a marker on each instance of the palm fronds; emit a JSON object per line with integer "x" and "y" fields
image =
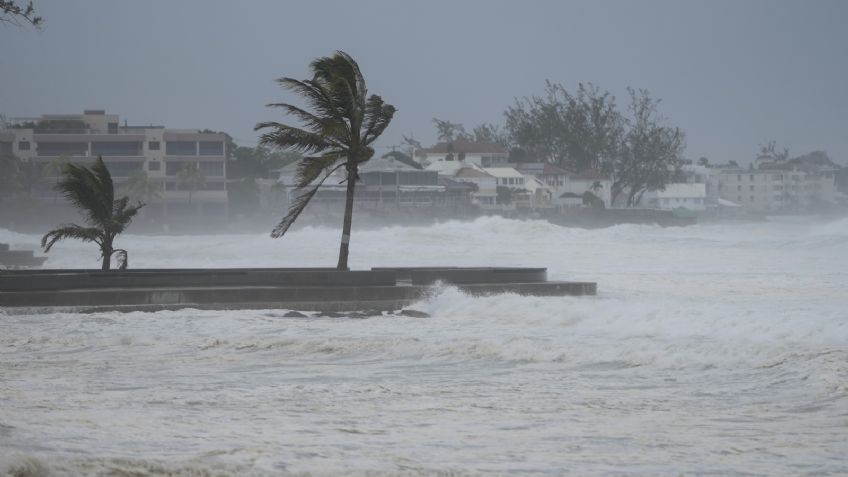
{"x": 71, "y": 231}
{"x": 91, "y": 190}
{"x": 337, "y": 127}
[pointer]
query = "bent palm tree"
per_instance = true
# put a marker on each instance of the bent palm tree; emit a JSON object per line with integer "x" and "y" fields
{"x": 91, "y": 190}
{"x": 338, "y": 132}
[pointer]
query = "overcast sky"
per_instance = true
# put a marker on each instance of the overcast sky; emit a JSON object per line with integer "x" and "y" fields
{"x": 732, "y": 74}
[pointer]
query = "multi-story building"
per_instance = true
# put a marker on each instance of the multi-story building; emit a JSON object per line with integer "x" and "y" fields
{"x": 778, "y": 187}
{"x": 160, "y": 153}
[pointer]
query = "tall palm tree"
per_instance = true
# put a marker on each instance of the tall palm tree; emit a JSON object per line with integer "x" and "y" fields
{"x": 91, "y": 190}
{"x": 338, "y": 132}
{"x": 141, "y": 187}
{"x": 191, "y": 177}
{"x": 55, "y": 167}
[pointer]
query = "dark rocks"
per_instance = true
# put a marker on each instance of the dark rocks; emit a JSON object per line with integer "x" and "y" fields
{"x": 414, "y": 313}
{"x": 294, "y": 314}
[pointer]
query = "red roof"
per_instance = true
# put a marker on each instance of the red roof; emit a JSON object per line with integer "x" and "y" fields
{"x": 553, "y": 169}
{"x": 463, "y": 145}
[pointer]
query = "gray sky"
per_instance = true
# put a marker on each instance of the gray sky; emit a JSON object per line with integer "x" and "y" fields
{"x": 732, "y": 74}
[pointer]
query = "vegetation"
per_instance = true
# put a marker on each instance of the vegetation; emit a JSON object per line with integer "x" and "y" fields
{"x": 338, "y": 132}
{"x": 191, "y": 178}
{"x": 142, "y": 188}
{"x": 91, "y": 190}
{"x": 12, "y": 11}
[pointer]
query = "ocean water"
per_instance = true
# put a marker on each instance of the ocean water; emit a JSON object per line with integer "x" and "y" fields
{"x": 710, "y": 350}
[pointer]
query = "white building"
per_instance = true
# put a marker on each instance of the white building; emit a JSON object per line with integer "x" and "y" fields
{"x": 690, "y": 196}
{"x": 467, "y": 152}
{"x": 160, "y": 153}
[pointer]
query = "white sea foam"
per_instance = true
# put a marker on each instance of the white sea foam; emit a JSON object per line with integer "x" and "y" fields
{"x": 710, "y": 349}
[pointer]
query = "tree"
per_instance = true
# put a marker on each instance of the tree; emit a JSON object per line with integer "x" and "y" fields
{"x": 11, "y": 11}
{"x": 447, "y": 131}
{"x": 703, "y": 161}
{"x": 10, "y": 167}
{"x": 141, "y": 187}
{"x": 191, "y": 177}
{"x": 91, "y": 190}
{"x": 651, "y": 153}
{"x": 339, "y": 131}
{"x": 504, "y": 195}
{"x": 492, "y": 134}
{"x": 55, "y": 167}
{"x": 576, "y": 131}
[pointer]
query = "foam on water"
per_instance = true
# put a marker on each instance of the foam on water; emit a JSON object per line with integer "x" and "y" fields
{"x": 710, "y": 349}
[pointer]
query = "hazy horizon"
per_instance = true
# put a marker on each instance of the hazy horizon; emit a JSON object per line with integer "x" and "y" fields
{"x": 732, "y": 75}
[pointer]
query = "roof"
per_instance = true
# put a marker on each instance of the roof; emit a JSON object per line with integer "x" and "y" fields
{"x": 452, "y": 184}
{"x": 502, "y": 172}
{"x": 472, "y": 172}
{"x": 463, "y": 145}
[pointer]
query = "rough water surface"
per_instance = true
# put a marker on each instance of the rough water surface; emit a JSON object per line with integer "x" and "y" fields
{"x": 710, "y": 350}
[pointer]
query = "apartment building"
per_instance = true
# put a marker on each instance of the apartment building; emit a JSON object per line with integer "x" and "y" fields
{"x": 777, "y": 188}
{"x": 159, "y": 152}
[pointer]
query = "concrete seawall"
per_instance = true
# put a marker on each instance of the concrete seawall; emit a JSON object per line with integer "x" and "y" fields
{"x": 296, "y": 289}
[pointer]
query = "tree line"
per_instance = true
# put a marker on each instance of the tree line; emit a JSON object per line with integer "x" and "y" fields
{"x": 586, "y": 129}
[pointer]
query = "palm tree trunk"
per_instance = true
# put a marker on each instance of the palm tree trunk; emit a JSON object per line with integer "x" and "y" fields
{"x": 348, "y": 219}
{"x": 106, "y": 249}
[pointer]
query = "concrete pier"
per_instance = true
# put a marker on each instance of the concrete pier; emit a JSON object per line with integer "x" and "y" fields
{"x": 295, "y": 289}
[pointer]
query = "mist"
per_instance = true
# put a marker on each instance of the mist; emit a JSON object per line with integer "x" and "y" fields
{"x": 218, "y": 220}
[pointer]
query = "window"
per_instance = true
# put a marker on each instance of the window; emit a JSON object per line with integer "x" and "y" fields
{"x": 154, "y": 166}
{"x": 153, "y": 145}
{"x": 49, "y": 149}
{"x": 752, "y": 188}
{"x": 172, "y": 167}
{"x": 211, "y": 148}
{"x": 777, "y": 177}
{"x": 739, "y": 177}
{"x": 738, "y": 188}
{"x": 181, "y": 148}
{"x": 123, "y": 169}
{"x": 752, "y": 198}
{"x": 752, "y": 177}
{"x": 23, "y": 145}
{"x": 129, "y": 148}
{"x": 113, "y": 128}
{"x": 212, "y": 168}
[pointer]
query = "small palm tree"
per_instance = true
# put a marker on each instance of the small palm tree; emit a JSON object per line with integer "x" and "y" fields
{"x": 141, "y": 187}
{"x": 91, "y": 190}
{"x": 54, "y": 168}
{"x": 191, "y": 177}
{"x": 339, "y": 131}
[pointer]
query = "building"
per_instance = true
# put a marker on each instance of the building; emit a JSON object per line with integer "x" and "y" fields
{"x": 778, "y": 187}
{"x": 678, "y": 195}
{"x": 159, "y": 152}
{"x": 465, "y": 151}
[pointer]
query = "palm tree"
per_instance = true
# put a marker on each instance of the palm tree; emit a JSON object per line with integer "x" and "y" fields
{"x": 55, "y": 167}
{"x": 91, "y": 190}
{"x": 141, "y": 187}
{"x": 338, "y": 132}
{"x": 191, "y": 177}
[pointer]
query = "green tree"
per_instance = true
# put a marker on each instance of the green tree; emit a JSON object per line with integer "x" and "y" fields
{"x": 91, "y": 190}
{"x": 10, "y": 167}
{"x": 339, "y": 131}
{"x": 191, "y": 178}
{"x": 651, "y": 154}
{"x": 141, "y": 187}
{"x": 12, "y": 11}
{"x": 54, "y": 168}
{"x": 504, "y": 195}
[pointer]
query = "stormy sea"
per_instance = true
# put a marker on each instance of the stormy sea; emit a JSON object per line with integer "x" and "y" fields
{"x": 714, "y": 349}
